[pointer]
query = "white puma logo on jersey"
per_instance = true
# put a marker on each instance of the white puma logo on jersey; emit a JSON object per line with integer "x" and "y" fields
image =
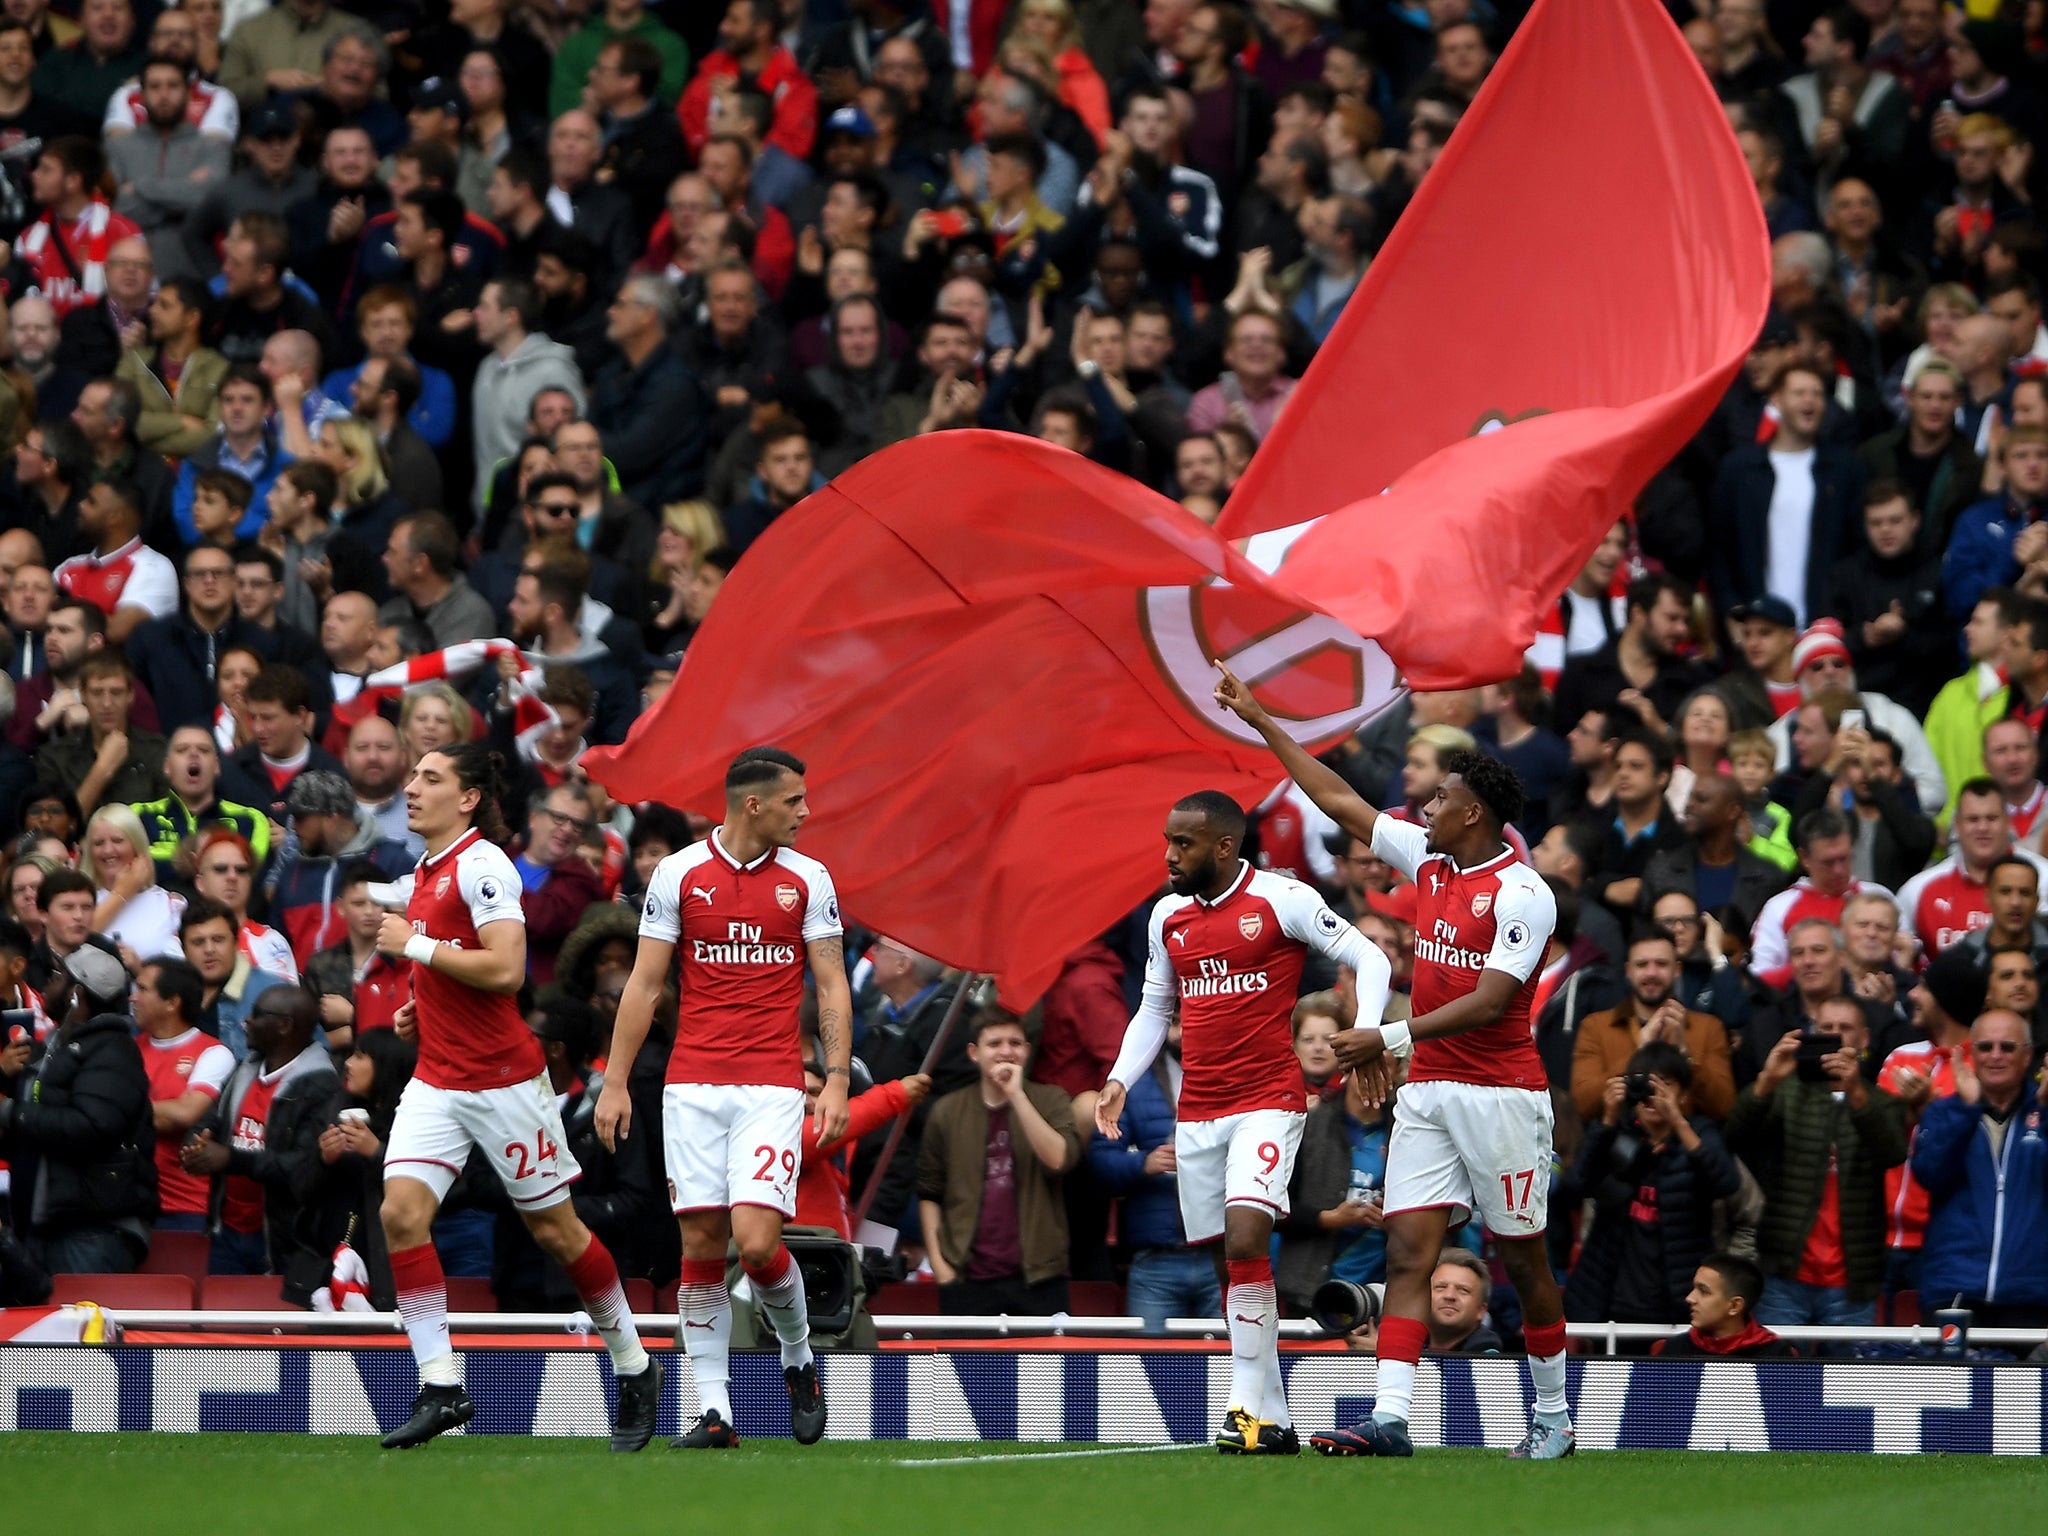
{"x": 698, "y": 890}
{"x": 1436, "y": 882}
{"x": 1181, "y": 938}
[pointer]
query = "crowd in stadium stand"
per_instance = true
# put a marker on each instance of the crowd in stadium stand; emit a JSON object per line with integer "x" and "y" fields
{"x": 336, "y": 335}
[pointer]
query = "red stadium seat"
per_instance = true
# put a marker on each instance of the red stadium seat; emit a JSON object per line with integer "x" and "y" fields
{"x": 243, "y": 1293}
{"x": 150, "y": 1293}
{"x": 178, "y": 1253}
{"x": 640, "y": 1298}
{"x": 901, "y": 1299}
{"x": 470, "y": 1294}
{"x": 1095, "y": 1298}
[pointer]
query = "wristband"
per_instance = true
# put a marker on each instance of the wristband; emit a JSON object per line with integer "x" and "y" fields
{"x": 420, "y": 950}
{"x": 1394, "y": 1035}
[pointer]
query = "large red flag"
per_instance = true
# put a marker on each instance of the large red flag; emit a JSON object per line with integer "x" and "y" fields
{"x": 996, "y": 656}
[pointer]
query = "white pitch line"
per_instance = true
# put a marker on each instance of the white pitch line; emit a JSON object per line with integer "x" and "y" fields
{"x": 982, "y": 1461}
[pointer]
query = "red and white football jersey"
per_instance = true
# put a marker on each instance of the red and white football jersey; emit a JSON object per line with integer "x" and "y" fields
{"x": 241, "y": 1204}
{"x": 469, "y": 1039}
{"x": 178, "y": 1066}
{"x": 1770, "y": 950}
{"x": 208, "y": 107}
{"x": 1905, "y": 1200}
{"x": 268, "y": 950}
{"x": 1496, "y": 916}
{"x": 1943, "y": 903}
{"x": 1234, "y": 967}
{"x": 739, "y": 932}
{"x": 133, "y": 576}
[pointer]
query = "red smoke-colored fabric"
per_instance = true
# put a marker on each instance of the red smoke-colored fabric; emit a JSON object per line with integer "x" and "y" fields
{"x": 995, "y": 656}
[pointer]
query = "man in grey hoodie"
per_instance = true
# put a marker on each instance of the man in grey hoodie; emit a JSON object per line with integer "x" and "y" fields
{"x": 547, "y": 605}
{"x": 166, "y": 165}
{"x": 522, "y": 362}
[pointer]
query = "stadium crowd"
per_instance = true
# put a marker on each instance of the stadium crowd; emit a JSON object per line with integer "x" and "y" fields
{"x": 432, "y": 324}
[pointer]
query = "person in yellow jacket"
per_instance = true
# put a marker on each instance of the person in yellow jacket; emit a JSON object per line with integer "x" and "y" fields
{"x": 1956, "y": 720}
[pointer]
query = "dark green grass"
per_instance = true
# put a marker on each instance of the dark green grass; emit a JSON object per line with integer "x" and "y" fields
{"x": 226, "y": 1485}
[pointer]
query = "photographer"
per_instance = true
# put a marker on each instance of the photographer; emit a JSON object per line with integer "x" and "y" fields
{"x": 1333, "y": 1227}
{"x": 1819, "y": 1137}
{"x": 84, "y": 1112}
{"x": 1653, "y": 1175}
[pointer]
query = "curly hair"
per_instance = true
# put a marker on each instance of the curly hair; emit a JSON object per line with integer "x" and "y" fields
{"x": 1492, "y": 783}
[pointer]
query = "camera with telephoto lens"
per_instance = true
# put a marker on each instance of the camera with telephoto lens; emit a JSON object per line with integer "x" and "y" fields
{"x": 1341, "y": 1307}
{"x": 1814, "y": 1051}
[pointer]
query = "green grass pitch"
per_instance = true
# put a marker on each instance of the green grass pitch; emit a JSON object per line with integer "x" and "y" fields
{"x": 166, "y": 1485}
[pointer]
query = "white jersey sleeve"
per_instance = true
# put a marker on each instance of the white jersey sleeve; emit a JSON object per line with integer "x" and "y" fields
{"x": 121, "y": 110}
{"x": 661, "y": 914}
{"x": 210, "y": 1073}
{"x": 152, "y": 585}
{"x": 1401, "y": 843}
{"x": 821, "y": 916}
{"x": 1305, "y": 916}
{"x": 1524, "y": 914}
{"x": 1148, "y": 1026}
{"x": 223, "y": 117}
{"x": 489, "y": 884}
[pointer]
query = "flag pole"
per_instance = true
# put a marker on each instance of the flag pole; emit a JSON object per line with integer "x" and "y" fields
{"x": 968, "y": 983}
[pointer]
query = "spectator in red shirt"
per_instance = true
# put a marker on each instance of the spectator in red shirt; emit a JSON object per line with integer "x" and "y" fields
{"x": 357, "y": 989}
{"x": 821, "y": 1186}
{"x": 748, "y": 49}
{"x": 187, "y": 1070}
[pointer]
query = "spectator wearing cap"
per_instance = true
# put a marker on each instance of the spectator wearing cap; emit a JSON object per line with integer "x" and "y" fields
{"x": 328, "y": 832}
{"x": 438, "y": 116}
{"x": 270, "y": 177}
{"x": 1947, "y": 997}
{"x": 2001, "y": 540}
{"x": 1781, "y": 513}
{"x": 1822, "y": 665}
{"x": 84, "y": 1118}
{"x": 750, "y": 48}
{"x": 1761, "y": 688}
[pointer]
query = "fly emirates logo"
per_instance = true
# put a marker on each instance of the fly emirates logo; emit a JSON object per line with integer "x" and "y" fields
{"x": 1216, "y": 979}
{"x": 742, "y": 946}
{"x": 1440, "y": 947}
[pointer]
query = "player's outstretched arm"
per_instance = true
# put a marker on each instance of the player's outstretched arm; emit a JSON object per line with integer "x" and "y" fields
{"x": 1321, "y": 783}
{"x": 835, "y": 1032}
{"x": 629, "y": 1033}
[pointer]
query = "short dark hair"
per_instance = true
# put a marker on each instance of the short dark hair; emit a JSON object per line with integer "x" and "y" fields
{"x": 1644, "y": 591}
{"x": 245, "y": 373}
{"x": 280, "y": 684}
{"x": 1849, "y": 27}
{"x": 14, "y": 939}
{"x": 1821, "y": 826}
{"x": 640, "y": 59}
{"x": 1741, "y": 1276}
{"x": 1878, "y": 492}
{"x": 1491, "y": 782}
{"x": 232, "y": 488}
{"x": 567, "y": 686}
{"x": 2012, "y": 861}
{"x": 357, "y": 872}
{"x": 1980, "y": 788}
{"x": 79, "y": 155}
{"x": 439, "y": 210}
{"x": 204, "y": 909}
{"x": 62, "y": 882}
{"x": 438, "y": 165}
{"x": 1649, "y": 741}
{"x": 432, "y": 535}
{"x": 315, "y": 478}
{"x": 519, "y": 295}
{"x": 1565, "y": 927}
{"x": 65, "y": 447}
{"x": 1662, "y": 1058}
{"x": 1021, "y": 147}
{"x": 248, "y": 552}
{"x": 759, "y": 767}
{"x": 525, "y": 167}
{"x": 402, "y": 378}
{"x": 178, "y": 981}
{"x": 1222, "y": 813}
{"x": 659, "y": 824}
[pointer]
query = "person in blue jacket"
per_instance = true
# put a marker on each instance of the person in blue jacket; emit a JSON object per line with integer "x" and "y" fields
{"x": 1982, "y": 1156}
{"x": 1994, "y": 541}
{"x": 1167, "y": 1278}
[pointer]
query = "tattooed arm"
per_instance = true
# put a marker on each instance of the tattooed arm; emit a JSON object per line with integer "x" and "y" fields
{"x": 835, "y": 1032}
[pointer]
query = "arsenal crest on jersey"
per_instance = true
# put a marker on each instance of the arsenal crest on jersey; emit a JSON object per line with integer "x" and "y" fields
{"x": 1251, "y": 925}
{"x": 786, "y": 897}
{"x": 441, "y": 889}
{"x": 1482, "y": 903}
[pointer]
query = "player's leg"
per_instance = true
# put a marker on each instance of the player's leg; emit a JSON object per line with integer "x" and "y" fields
{"x": 1201, "y": 1154}
{"x": 422, "y": 1159}
{"x": 1258, "y": 1165}
{"x": 768, "y": 1131}
{"x": 1507, "y": 1132}
{"x": 1426, "y": 1187}
{"x": 592, "y": 1270}
{"x": 694, "y": 1122}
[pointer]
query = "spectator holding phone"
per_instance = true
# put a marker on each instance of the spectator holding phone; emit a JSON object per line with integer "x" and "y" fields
{"x": 1819, "y": 1139}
